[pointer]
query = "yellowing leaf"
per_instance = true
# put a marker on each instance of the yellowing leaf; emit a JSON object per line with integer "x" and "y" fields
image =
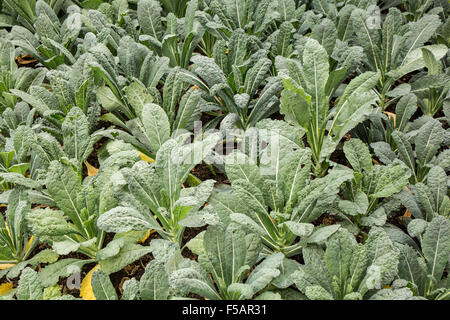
{"x": 86, "y": 287}
{"x": 92, "y": 171}
{"x": 149, "y": 232}
{"x": 6, "y": 265}
{"x": 7, "y": 228}
{"x": 29, "y": 244}
{"x": 407, "y": 214}
{"x": 146, "y": 158}
{"x": 391, "y": 116}
{"x": 5, "y": 287}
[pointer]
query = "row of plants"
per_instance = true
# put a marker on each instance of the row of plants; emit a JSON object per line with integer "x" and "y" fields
{"x": 224, "y": 149}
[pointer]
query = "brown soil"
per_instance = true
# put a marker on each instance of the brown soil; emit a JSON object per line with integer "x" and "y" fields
{"x": 203, "y": 172}
{"x": 277, "y": 116}
{"x": 338, "y": 156}
{"x": 135, "y": 269}
{"x": 398, "y": 221}
{"x": 325, "y": 219}
{"x": 206, "y": 117}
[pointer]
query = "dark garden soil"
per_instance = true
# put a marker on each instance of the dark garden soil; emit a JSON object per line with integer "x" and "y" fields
{"x": 206, "y": 172}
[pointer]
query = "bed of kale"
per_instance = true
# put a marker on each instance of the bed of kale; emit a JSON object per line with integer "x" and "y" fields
{"x": 224, "y": 149}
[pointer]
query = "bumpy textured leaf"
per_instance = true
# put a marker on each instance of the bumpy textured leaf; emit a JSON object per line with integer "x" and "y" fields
{"x": 414, "y": 60}
{"x": 149, "y": 16}
{"x": 300, "y": 229}
{"x": 416, "y": 227}
{"x": 437, "y": 183}
{"x": 338, "y": 255}
{"x": 284, "y": 47}
{"x": 254, "y": 200}
{"x": 383, "y": 151}
{"x": 49, "y": 225}
{"x": 319, "y": 194}
{"x": 436, "y": 246}
{"x": 208, "y": 70}
{"x": 107, "y": 99}
{"x": 410, "y": 268}
{"x": 376, "y": 218}
{"x": 316, "y": 71}
{"x": 357, "y": 153}
{"x": 63, "y": 184}
{"x": 383, "y": 258}
{"x": 225, "y": 251}
{"x": 321, "y": 234}
{"x": 30, "y": 287}
{"x": 75, "y": 128}
{"x": 188, "y": 107}
{"x": 44, "y": 256}
{"x": 357, "y": 268}
{"x": 286, "y": 8}
{"x": 196, "y": 244}
{"x": 154, "y": 284}
{"x": 265, "y": 272}
{"x": 19, "y": 179}
{"x": 428, "y": 141}
{"x": 368, "y": 38}
{"x": 137, "y": 96}
{"x": 390, "y": 179}
{"x": 142, "y": 180}
{"x": 193, "y": 281}
{"x": 325, "y": 33}
{"x": 317, "y": 293}
{"x": 123, "y": 219}
{"x": 419, "y": 33}
{"x": 102, "y": 286}
{"x": 129, "y": 253}
{"x": 239, "y": 166}
{"x": 404, "y": 149}
{"x": 173, "y": 88}
{"x": 256, "y": 75}
{"x": 111, "y": 249}
{"x": 156, "y": 125}
{"x": 130, "y": 289}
